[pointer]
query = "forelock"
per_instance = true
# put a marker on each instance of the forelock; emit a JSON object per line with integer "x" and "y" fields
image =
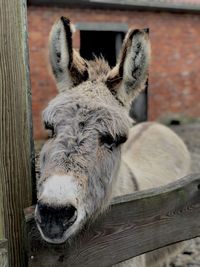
{"x": 98, "y": 107}
{"x": 98, "y": 69}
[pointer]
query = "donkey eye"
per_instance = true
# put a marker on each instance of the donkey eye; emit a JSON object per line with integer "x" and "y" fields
{"x": 49, "y": 127}
{"x": 121, "y": 139}
{"x": 108, "y": 141}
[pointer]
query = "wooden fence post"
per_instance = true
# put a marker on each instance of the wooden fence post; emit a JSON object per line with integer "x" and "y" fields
{"x": 3, "y": 253}
{"x": 15, "y": 129}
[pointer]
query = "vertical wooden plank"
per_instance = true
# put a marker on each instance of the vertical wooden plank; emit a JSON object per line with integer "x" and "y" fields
{"x": 15, "y": 128}
{"x": 3, "y": 257}
{"x": 3, "y": 253}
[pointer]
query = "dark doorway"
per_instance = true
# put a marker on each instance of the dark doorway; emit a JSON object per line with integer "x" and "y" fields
{"x": 105, "y": 39}
{"x": 101, "y": 43}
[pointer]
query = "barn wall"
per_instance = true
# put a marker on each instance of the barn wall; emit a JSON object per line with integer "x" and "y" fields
{"x": 174, "y": 76}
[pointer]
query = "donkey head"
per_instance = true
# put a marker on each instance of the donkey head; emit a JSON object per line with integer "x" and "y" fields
{"x": 88, "y": 122}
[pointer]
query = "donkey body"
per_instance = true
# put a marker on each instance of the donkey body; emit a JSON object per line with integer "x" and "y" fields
{"x": 169, "y": 160}
{"x": 93, "y": 154}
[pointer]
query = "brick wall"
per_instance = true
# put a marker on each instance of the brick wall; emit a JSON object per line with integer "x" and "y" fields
{"x": 174, "y": 76}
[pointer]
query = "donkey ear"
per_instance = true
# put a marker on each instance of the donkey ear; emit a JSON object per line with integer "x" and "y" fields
{"x": 128, "y": 78}
{"x": 68, "y": 67}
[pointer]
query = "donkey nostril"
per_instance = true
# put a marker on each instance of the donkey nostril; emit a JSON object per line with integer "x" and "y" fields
{"x": 70, "y": 215}
{"x": 53, "y": 221}
{"x": 50, "y": 216}
{"x": 70, "y": 211}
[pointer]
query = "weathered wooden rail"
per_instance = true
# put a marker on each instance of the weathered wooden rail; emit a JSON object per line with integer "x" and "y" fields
{"x": 134, "y": 224}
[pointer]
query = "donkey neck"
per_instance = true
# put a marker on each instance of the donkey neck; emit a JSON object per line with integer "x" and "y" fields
{"x": 126, "y": 181}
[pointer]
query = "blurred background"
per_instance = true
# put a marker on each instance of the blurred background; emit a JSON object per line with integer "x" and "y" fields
{"x": 173, "y": 93}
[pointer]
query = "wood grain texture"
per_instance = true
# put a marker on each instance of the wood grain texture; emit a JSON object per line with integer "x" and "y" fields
{"x": 3, "y": 253}
{"x": 15, "y": 128}
{"x": 134, "y": 224}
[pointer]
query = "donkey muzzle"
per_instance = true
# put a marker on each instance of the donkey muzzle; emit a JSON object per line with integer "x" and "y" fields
{"x": 55, "y": 220}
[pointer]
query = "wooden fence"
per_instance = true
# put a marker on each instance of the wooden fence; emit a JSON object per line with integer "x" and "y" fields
{"x": 134, "y": 224}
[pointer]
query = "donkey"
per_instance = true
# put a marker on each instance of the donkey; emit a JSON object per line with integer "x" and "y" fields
{"x": 93, "y": 153}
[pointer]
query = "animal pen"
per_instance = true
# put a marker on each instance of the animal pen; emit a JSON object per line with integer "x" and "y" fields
{"x": 157, "y": 217}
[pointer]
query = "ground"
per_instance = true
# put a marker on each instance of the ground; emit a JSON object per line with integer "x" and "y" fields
{"x": 190, "y": 133}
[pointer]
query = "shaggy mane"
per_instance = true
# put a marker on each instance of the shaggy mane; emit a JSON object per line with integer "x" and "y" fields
{"x": 98, "y": 69}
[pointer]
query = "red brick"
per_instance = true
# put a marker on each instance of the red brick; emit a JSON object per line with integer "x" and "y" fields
{"x": 174, "y": 75}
